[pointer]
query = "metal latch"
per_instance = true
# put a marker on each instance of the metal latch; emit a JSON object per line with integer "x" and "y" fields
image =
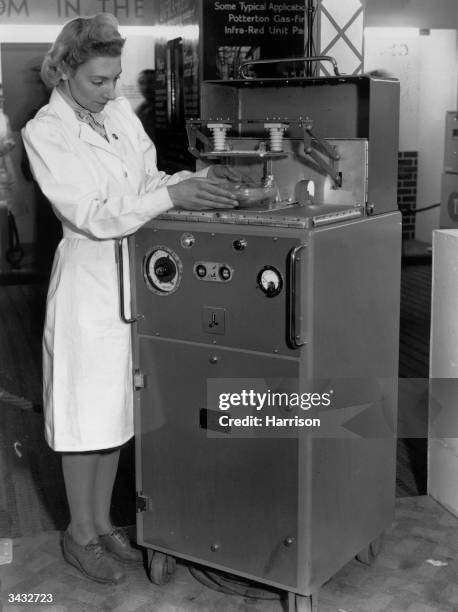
{"x": 143, "y": 503}
{"x": 139, "y": 380}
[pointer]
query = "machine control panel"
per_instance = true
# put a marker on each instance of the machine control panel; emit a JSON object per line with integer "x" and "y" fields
{"x": 270, "y": 281}
{"x": 221, "y": 287}
{"x": 213, "y": 271}
{"x": 162, "y": 270}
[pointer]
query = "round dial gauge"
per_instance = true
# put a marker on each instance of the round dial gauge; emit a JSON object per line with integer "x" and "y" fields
{"x": 162, "y": 270}
{"x": 270, "y": 281}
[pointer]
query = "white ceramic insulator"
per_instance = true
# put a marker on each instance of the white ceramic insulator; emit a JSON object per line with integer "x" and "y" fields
{"x": 276, "y": 131}
{"x": 219, "y": 138}
{"x": 219, "y": 135}
{"x": 276, "y": 139}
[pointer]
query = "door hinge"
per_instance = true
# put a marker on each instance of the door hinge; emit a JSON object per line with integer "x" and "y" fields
{"x": 139, "y": 380}
{"x": 143, "y": 503}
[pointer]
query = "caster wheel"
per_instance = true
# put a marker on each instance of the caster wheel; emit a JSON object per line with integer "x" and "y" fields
{"x": 302, "y": 603}
{"x": 171, "y": 565}
{"x": 371, "y": 552}
{"x": 161, "y": 568}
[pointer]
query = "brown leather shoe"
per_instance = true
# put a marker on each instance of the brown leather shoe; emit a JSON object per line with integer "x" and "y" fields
{"x": 91, "y": 560}
{"x": 118, "y": 545}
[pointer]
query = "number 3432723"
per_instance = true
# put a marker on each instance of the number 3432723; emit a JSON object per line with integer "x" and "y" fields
{"x": 30, "y": 597}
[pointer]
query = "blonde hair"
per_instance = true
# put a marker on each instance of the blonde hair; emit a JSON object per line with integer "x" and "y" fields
{"x": 79, "y": 40}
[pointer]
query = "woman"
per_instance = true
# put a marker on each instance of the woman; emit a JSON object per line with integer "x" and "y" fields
{"x": 95, "y": 164}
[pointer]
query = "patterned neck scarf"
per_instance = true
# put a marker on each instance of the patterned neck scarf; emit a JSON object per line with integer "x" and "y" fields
{"x": 94, "y": 120}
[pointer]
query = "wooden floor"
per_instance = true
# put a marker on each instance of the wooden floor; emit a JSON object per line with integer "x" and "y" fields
{"x": 416, "y": 571}
{"x": 415, "y": 321}
{"x": 21, "y": 321}
{"x": 413, "y": 379}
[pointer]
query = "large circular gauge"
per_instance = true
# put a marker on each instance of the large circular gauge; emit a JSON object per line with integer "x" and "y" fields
{"x": 162, "y": 270}
{"x": 270, "y": 281}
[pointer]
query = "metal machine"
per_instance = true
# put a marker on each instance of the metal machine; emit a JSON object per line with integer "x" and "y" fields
{"x": 296, "y": 291}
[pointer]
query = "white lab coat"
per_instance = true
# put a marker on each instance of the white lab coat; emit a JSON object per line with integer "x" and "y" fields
{"x": 100, "y": 191}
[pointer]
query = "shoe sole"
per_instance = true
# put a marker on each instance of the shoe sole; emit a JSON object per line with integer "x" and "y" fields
{"x": 74, "y": 561}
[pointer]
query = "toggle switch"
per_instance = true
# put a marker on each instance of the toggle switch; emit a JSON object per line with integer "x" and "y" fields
{"x": 201, "y": 271}
{"x": 225, "y": 273}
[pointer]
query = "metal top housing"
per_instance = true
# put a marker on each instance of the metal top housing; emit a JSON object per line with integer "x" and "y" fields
{"x": 340, "y": 107}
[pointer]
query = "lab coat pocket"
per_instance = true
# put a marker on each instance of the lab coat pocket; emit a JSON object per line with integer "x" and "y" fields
{"x": 97, "y": 292}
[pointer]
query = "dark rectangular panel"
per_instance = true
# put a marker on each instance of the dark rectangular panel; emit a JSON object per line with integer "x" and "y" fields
{"x": 23, "y": 88}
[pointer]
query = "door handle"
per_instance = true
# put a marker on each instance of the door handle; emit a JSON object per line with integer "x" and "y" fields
{"x": 120, "y": 261}
{"x": 294, "y": 337}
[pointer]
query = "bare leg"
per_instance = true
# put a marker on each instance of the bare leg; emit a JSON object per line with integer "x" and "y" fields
{"x": 89, "y": 479}
{"x": 107, "y": 466}
{"x": 79, "y": 475}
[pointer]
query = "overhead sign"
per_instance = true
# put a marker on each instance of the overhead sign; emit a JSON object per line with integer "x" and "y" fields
{"x": 128, "y": 12}
{"x": 237, "y": 31}
{"x": 250, "y": 22}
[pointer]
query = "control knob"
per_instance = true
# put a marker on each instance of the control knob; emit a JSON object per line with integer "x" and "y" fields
{"x": 239, "y": 244}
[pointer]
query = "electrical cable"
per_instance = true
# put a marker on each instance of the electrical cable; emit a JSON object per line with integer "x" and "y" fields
{"x": 310, "y": 12}
{"x": 315, "y": 67}
{"x": 419, "y": 210}
{"x": 229, "y": 585}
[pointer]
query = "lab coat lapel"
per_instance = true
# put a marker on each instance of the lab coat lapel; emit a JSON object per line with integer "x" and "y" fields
{"x": 84, "y": 133}
{"x": 87, "y": 134}
{"x": 100, "y": 147}
{"x": 80, "y": 129}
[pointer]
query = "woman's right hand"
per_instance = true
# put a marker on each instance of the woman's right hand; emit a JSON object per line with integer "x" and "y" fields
{"x": 201, "y": 194}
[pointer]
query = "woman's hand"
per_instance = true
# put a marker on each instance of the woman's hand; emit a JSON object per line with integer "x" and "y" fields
{"x": 224, "y": 172}
{"x": 201, "y": 194}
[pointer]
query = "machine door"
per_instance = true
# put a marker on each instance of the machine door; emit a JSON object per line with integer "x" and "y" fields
{"x": 217, "y": 498}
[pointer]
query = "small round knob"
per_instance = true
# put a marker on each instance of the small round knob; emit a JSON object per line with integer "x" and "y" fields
{"x": 215, "y": 547}
{"x": 187, "y": 241}
{"x": 288, "y": 541}
{"x": 213, "y": 359}
{"x": 240, "y": 244}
